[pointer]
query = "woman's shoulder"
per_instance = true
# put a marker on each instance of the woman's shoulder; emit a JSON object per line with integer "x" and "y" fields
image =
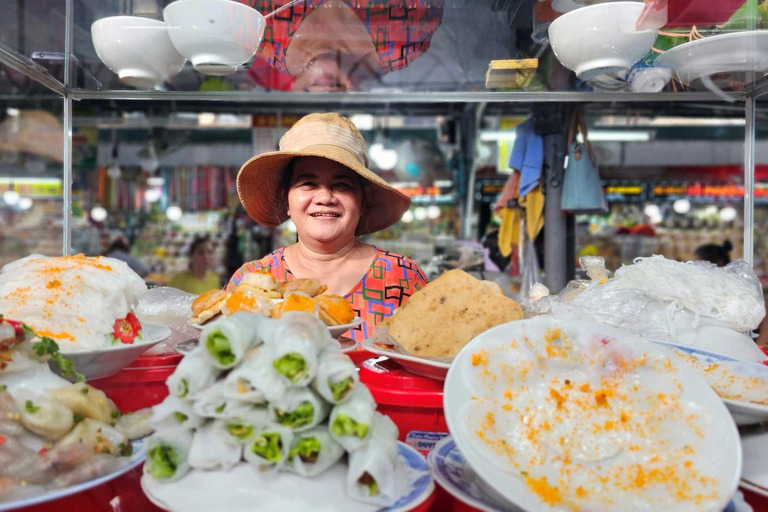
{"x": 272, "y": 263}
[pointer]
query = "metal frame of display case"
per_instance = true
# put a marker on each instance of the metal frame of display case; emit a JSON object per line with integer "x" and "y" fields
{"x": 70, "y": 94}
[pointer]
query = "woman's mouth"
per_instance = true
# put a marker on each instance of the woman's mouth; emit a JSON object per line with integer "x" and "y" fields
{"x": 324, "y": 215}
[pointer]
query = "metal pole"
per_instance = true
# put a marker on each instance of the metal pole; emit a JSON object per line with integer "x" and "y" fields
{"x": 470, "y": 123}
{"x": 749, "y": 179}
{"x": 67, "y": 180}
{"x": 555, "y": 225}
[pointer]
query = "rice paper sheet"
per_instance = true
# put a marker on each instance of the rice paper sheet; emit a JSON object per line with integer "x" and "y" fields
{"x": 175, "y": 413}
{"x": 194, "y": 374}
{"x": 209, "y": 451}
{"x": 313, "y": 451}
{"x": 239, "y": 429}
{"x": 227, "y": 339}
{"x": 168, "y": 455}
{"x": 255, "y": 380}
{"x": 294, "y": 348}
{"x": 213, "y": 404}
{"x": 373, "y": 476}
{"x": 299, "y": 409}
{"x": 336, "y": 377}
{"x": 351, "y": 422}
{"x": 269, "y": 448}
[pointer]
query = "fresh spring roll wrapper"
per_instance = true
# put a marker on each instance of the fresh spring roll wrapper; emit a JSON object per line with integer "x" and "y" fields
{"x": 336, "y": 376}
{"x": 193, "y": 375}
{"x": 294, "y": 348}
{"x": 168, "y": 454}
{"x": 213, "y": 404}
{"x": 351, "y": 422}
{"x": 255, "y": 380}
{"x": 269, "y": 448}
{"x": 175, "y": 413}
{"x": 373, "y": 475}
{"x": 300, "y": 409}
{"x": 313, "y": 451}
{"x": 239, "y": 429}
{"x": 209, "y": 451}
{"x": 227, "y": 339}
{"x": 384, "y": 427}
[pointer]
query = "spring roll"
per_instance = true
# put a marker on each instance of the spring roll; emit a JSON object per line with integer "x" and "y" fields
{"x": 212, "y": 403}
{"x": 384, "y": 427}
{"x": 97, "y": 435}
{"x": 84, "y": 400}
{"x": 168, "y": 454}
{"x": 241, "y": 428}
{"x": 209, "y": 451}
{"x": 175, "y": 413}
{"x": 227, "y": 339}
{"x": 351, "y": 421}
{"x": 255, "y": 380}
{"x": 300, "y": 409}
{"x": 336, "y": 376}
{"x": 193, "y": 375}
{"x": 270, "y": 447}
{"x": 298, "y": 339}
{"x": 372, "y": 476}
{"x": 43, "y": 415}
{"x": 313, "y": 451}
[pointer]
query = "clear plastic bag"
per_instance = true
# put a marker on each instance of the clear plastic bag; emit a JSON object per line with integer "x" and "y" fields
{"x": 172, "y": 308}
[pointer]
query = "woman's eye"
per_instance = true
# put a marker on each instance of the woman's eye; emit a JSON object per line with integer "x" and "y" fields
{"x": 307, "y": 184}
{"x": 343, "y": 186}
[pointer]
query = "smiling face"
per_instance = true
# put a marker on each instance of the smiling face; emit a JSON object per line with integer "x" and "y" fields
{"x": 324, "y": 201}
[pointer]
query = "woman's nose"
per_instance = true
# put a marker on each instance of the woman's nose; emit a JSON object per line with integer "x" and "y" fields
{"x": 324, "y": 195}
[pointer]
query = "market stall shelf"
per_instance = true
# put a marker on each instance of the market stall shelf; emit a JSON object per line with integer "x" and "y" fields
{"x": 238, "y": 489}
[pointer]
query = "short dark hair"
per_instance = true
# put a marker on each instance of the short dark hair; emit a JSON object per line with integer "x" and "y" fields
{"x": 720, "y": 255}
{"x": 196, "y": 243}
{"x": 119, "y": 244}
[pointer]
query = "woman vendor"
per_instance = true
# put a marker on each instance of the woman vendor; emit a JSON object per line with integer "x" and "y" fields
{"x": 320, "y": 180}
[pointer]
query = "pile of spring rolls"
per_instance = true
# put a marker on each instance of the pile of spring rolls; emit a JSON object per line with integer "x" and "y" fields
{"x": 280, "y": 395}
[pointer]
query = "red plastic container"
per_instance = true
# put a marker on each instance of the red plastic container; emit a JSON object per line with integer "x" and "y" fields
{"x": 414, "y": 403}
{"x": 141, "y": 384}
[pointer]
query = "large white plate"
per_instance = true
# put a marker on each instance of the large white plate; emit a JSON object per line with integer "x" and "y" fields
{"x": 136, "y": 459}
{"x": 696, "y": 424}
{"x": 97, "y": 364}
{"x": 242, "y": 488}
{"x": 417, "y": 365}
{"x": 724, "y": 53}
{"x": 572, "y": 5}
{"x": 335, "y": 330}
{"x": 743, "y": 412}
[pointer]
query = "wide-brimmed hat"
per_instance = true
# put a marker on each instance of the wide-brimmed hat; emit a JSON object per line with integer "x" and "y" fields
{"x": 330, "y": 136}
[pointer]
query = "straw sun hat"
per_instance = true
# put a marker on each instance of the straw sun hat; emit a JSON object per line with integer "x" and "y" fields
{"x": 329, "y": 136}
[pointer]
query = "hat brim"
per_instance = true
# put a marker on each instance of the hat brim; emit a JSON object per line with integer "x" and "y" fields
{"x": 259, "y": 181}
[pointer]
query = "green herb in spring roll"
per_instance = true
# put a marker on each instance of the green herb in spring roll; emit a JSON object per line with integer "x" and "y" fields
{"x": 314, "y": 451}
{"x": 351, "y": 421}
{"x": 227, "y": 339}
{"x": 269, "y": 447}
{"x": 299, "y": 409}
{"x": 336, "y": 376}
{"x": 167, "y": 455}
{"x": 294, "y": 348}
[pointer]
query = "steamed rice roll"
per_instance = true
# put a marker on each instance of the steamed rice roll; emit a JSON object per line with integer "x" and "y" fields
{"x": 227, "y": 339}
{"x": 241, "y": 428}
{"x": 336, "y": 376}
{"x": 43, "y": 415}
{"x": 313, "y": 451}
{"x": 294, "y": 348}
{"x": 351, "y": 422}
{"x": 168, "y": 454}
{"x": 299, "y": 409}
{"x": 209, "y": 451}
{"x": 269, "y": 448}
{"x": 175, "y": 413}
{"x": 194, "y": 374}
{"x": 255, "y": 380}
{"x": 212, "y": 403}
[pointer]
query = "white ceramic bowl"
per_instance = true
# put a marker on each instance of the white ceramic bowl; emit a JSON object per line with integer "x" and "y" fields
{"x": 97, "y": 364}
{"x": 137, "y": 49}
{"x": 600, "y": 38}
{"x": 217, "y": 36}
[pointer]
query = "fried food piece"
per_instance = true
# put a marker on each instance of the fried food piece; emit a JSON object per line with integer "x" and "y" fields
{"x": 334, "y": 310}
{"x": 207, "y": 306}
{"x": 311, "y": 287}
{"x": 261, "y": 283}
{"x": 248, "y": 301}
{"x": 295, "y": 301}
{"x": 445, "y": 315}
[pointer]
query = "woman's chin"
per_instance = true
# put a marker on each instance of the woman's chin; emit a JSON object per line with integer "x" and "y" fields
{"x": 327, "y": 235}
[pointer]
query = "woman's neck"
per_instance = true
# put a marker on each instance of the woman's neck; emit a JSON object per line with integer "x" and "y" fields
{"x": 315, "y": 258}
{"x": 199, "y": 273}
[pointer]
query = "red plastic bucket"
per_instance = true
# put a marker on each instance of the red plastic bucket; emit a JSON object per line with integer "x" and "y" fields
{"x": 414, "y": 403}
{"x": 140, "y": 384}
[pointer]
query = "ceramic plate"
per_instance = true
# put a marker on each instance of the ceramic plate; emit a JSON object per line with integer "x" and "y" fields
{"x": 724, "y": 53}
{"x": 97, "y": 364}
{"x": 578, "y": 414}
{"x": 571, "y": 5}
{"x": 187, "y": 346}
{"x": 754, "y": 444}
{"x": 335, "y": 330}
{"x": 136, "y": 459}
{"x": 734, "y": 378}
{"x": 239, "y": 489}
{"x": 417, "y": 365}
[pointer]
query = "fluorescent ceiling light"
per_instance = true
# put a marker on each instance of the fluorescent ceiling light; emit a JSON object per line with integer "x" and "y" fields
{"x": 594, "y": 136}
{"x": 362, "y": 121}
{"x": 633, "y": 121}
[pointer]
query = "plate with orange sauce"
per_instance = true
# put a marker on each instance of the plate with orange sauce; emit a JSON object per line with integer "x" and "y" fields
{"x": 557, "y": 415}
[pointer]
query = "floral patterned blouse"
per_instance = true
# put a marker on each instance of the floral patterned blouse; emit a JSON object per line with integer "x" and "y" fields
{"x": 390, "y": 280}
